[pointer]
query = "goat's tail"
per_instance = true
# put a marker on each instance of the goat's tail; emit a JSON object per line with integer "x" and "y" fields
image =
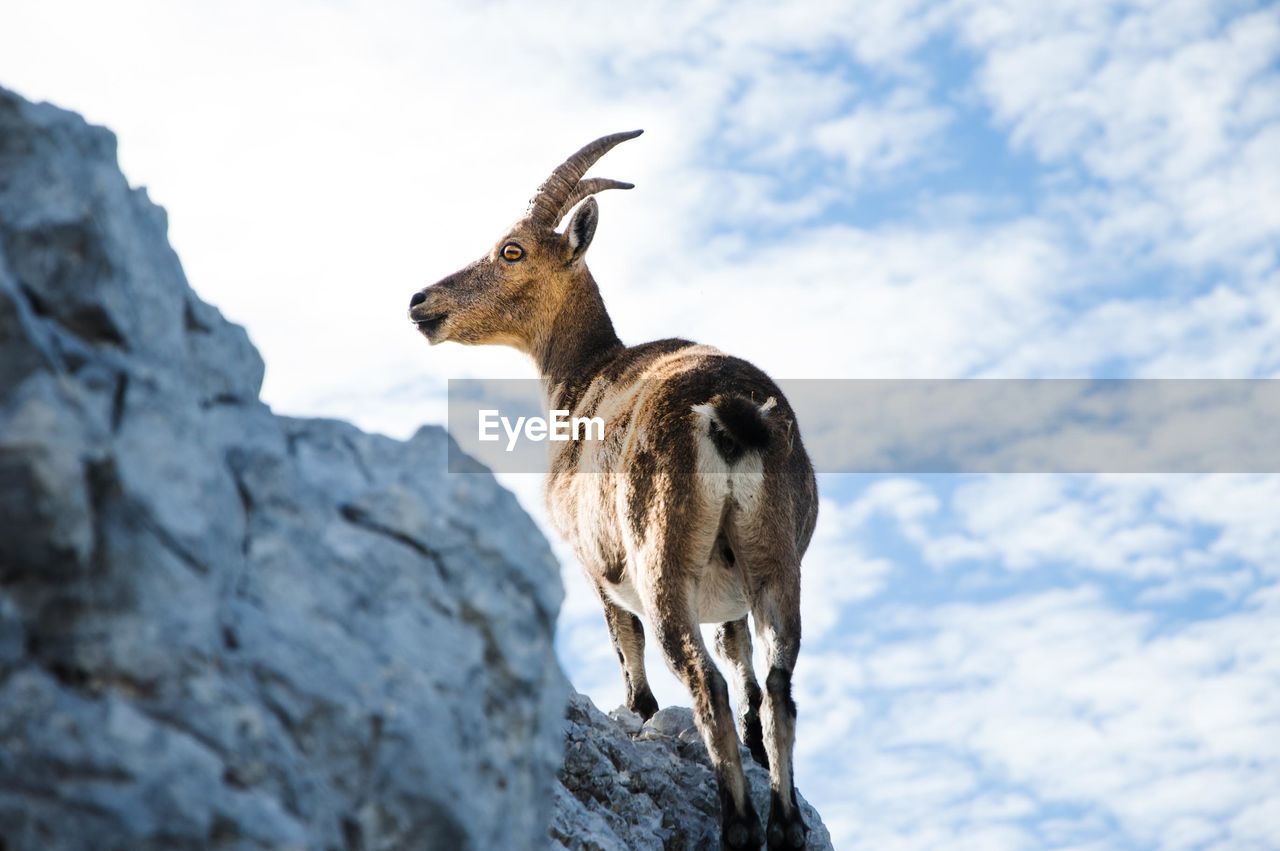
{"x": 736, "y": 425}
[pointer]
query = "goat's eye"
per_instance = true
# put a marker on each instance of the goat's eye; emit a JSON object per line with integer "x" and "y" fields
{"x": 512, "y": 252}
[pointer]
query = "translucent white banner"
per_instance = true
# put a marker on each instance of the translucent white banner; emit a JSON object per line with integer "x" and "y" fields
{"x": 944, "y": 425}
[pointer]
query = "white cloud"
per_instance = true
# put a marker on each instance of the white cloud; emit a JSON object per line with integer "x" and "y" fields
{"x": 882, "y": 138}
{"x": 1059, "y": 717}
{"x": 837, "y": 571}
{"x": 1007, "y": 713}
{"x": 1164, "y": 99}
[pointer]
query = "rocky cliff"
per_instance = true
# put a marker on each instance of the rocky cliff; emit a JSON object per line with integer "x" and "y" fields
{"x": 632, "y": 786}
{"x": 221, "y": 628}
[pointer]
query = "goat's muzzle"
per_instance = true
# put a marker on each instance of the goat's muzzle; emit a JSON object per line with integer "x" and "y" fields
{"x": 429, "y": 320}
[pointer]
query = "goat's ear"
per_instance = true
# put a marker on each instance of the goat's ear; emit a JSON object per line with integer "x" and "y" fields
{"x": 582, "y": 227}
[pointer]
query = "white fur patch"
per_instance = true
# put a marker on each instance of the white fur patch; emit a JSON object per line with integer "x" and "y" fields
{"x": 625, "y": 595}
{"x": 721, "y": 593}
{"x": 708, "y": 412}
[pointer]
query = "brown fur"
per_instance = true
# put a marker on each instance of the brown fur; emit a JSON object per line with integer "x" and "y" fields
{"x": 666, "y": 526}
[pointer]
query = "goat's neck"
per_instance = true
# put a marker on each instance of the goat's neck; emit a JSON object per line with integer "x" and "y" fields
{"x": 578, "y": 336}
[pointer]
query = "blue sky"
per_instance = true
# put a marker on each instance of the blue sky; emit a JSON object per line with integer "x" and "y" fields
{"x": 884, "y": 189}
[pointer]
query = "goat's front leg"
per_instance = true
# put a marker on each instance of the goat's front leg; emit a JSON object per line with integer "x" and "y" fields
{"x": 627, "y": 634}
{"x": 733, "y": 646}
{"x": 686, "y": 654}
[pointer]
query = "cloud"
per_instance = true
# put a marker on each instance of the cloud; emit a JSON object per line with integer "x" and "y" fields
{"x": 1171, "y": 107}
{"x": 1051, "y": 661}
{"x": 1054, "y": 718}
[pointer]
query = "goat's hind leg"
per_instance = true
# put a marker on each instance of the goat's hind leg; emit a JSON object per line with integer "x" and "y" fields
{"x": 777, "y": 615}
{"x": 733, "y": 646}
{"x": 627, "y": 634}
{"x": 686, "y": 654}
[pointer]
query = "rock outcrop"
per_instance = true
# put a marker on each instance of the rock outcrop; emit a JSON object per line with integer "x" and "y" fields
{"x": 220, "y": 628}
{"x": 628, "y": 786}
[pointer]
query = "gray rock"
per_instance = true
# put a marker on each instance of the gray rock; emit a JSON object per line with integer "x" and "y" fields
{"x": 624, "y": 787}
{"x": 220, "y": 628}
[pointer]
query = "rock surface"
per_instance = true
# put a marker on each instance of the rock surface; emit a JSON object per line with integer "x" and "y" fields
{"x": 220, "y": 628}
{"x": 627, "y": 786}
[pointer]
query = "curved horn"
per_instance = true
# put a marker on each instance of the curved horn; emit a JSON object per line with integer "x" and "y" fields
{"x": 590, "y": 186}
{"x": 551, "y": 195}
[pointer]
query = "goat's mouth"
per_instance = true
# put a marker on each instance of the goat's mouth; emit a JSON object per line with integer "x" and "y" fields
{"x": 430, "y": 325}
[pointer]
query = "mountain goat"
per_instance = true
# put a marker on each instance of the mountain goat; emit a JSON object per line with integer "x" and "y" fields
{"x": 697, "y": 507}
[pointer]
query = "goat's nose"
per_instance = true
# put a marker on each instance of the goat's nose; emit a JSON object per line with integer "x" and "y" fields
{"x": 418, "y": 298}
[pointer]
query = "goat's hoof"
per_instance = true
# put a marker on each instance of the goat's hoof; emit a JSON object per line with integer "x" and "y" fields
{"x": 787, "y": 833}
{"x": 644, "y": 705}
{"x": 739, "y": 832}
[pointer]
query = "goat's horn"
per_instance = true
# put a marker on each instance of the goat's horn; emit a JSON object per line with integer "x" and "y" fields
{"x": 590, "y": 186}
{"x": 549, "y": 200}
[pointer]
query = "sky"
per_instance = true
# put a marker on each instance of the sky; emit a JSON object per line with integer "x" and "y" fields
{"x": 886, "y": 189}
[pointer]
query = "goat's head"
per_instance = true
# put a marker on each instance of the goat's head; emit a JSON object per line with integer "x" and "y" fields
{"x": 512, "y": 293}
